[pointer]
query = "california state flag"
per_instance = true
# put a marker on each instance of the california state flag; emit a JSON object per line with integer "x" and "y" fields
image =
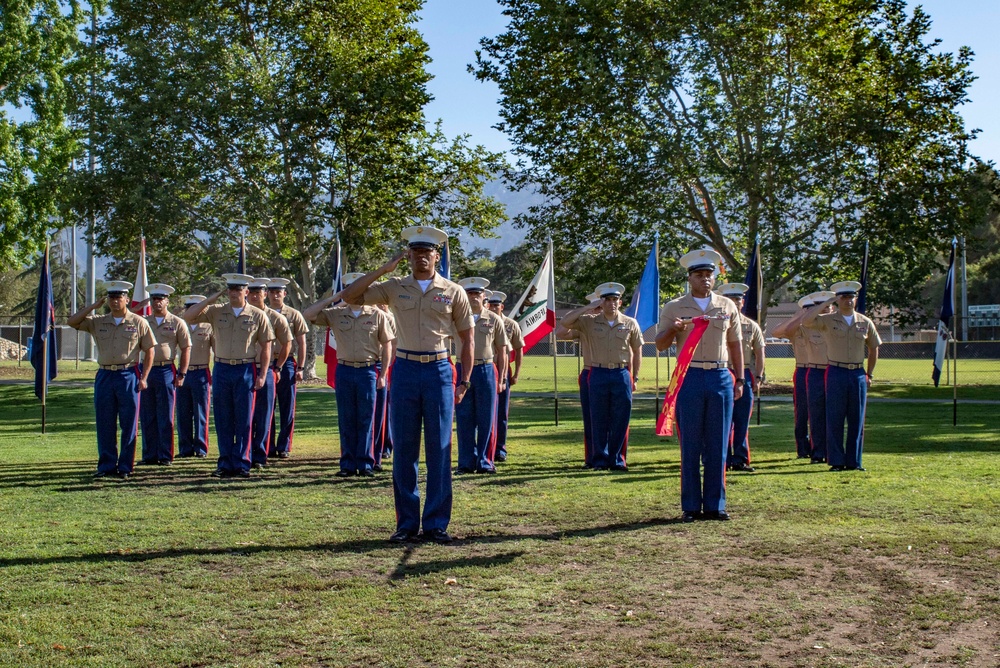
{"x": 535, "y": 312}
{"x": 139, "y": 290}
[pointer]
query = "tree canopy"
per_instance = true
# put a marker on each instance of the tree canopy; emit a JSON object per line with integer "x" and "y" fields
{"x": 813, "y": 125}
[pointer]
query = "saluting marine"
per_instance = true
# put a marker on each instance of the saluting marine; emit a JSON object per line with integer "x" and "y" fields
{"x": 364, "y": 336}
{"x": 583, "y": 381}
{"x": 423, "y": 393}
{"x": 848, "y": 334}
{"x": 753, "y": 373}
{"x": 476, "y": 415}
{"x": 261, "y": 431}
{"x": 289, "y": 370}
{"x": 239, "y": 329}
{"x": 792, "y": 330}
{"x": 515, "y": 337}
{"x": 119, "y": 336}
{"x": 615, "y": 343}
{"x": 156, "y": 409}
{"x": 193, "y": 397}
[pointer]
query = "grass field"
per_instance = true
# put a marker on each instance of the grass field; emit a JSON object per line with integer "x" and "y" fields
{"x": 555, "y": 566}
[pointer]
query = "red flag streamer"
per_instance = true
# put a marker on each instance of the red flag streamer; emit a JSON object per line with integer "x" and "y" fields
{"x": 665, "y": 421}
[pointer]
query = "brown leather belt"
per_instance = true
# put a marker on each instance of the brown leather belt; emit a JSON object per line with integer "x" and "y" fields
{"x": 167, "y": 363}
{"x": 846, "y": 365}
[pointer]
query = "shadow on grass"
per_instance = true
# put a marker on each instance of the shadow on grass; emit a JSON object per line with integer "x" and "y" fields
{"x": 354, "y": 546}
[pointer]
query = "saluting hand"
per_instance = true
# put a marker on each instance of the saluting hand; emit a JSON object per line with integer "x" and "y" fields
{"x": 393, "y": 263}
{"x": 99, "y": 303}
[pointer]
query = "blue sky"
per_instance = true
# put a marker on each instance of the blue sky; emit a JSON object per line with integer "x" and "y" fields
{"x": 453, "y": 29}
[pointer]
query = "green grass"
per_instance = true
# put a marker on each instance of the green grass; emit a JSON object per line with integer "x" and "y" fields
{"x": 555, "y": 566}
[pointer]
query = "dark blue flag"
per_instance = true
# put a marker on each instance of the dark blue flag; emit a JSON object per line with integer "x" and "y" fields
{"x": 241, "y": 264}
{"x": 645, "y": 305}
{"x": 754, "y": 278}
{"x": 43, "y": 338}
{"x": 860, "y": 305}
{"x": 446, "y": 261}
{"x": 944, "y": 320}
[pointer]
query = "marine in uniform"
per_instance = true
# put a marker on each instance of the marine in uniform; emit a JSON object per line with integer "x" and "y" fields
{"x": 423, "y": 392}
{"x": 495, "y": 302}
{"x": 119, "y": 336}
{"x": 476, "y": 415}
{"x": 289, "y": 371}
{"x": 705, "y": 402}
{"x": 364, "y": 336}
{"x": 615, "y": 342}
{"x": 848, "y": 334}
{"x": 583, "y": 381}
{"x": 262, "y": 429}
{"x": 383, "y": 434}
{"x": 156, "y": 407}
{"x": 753, "y": 374}
{"x": 239, "y": 329}
{"x": 193, "y": 397}
{"x": 792, "y": 331}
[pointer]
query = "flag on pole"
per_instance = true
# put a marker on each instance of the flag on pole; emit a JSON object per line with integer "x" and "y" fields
{"x": 330, "y": 349}
{"x": 535, "y": 312}
{"x": 446, "y": 261}
{"x": 645, "y": 305}
{"x": 755, "y": 279}
{"x": 139, "y": 293}
{"x": 241, "y": 262}
{"x": 944, "y": 320}
{"x": 859, "y": 306}
{"x": 42, "y": 346}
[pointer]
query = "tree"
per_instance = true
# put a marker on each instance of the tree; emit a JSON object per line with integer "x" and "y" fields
{"x": 286, "y": 122}
{"x": 38, "y": 45}
{"x": 813, "y": 126}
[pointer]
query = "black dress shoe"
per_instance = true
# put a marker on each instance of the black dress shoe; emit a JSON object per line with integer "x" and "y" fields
{"x": 462, "y": 469}
{"x": 124, "y": 475}
{"x": 718, "y": 515}
{"x": 486, "y": 470}
{"x": 258, "y": 465}
{"x": 102, "y": 474}
{"x": 600, "y": 468}
{"x": 856, "y": 468}
{"x": 221, "y": 473}
{"x": 404, "y": 536}
{"x": 802, "y": 457}
{"x": 439, "y": 536}
{"x": 743, "y": 467}
{"x": 817, "y": 460}
{"x": 164, "y": 462}
{"x": 501, "y": 458}
{"x": 587, "y": 466}
{"x": 377, "y": 468}
{"x": 283, "y": 455}
{"x": 201, "y": 455}
{"x": 619, "y": 467}
{"x": 690, "y": 516}
{"x": 366, "y": 473}
{"x": 146, "y": 462}
{"x": 343, "y": 473}
{"x": 837, "y": 468}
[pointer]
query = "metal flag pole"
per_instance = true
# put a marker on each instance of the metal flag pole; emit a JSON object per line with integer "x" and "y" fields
{"x": 555, "y": 359}
{"x": 45, "y": 352}
{"x": 954, "y": 381}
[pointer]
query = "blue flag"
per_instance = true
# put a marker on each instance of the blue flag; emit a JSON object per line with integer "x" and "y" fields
{"x": 241, "y": 263}
{"x": 860, "y": 305}
{"x": 43, "y": 338}
{"x": 645, "y": 305}
{"x": 754, "y": 278}
{"x": 944, "y": 320}
{"x": 446, "y": 261}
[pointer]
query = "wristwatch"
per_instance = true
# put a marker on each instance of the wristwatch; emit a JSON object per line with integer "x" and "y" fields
{"x": 180, "y": 375}
{"x": 466, "y": 384}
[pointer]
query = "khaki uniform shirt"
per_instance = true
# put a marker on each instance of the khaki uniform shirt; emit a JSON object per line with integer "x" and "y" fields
{"x": 490, "y": 336}
{"x": 753, "y": 341}
{"x": 170, "y": 334}
{"x": 815, "y": 347}
{"x": 119, "y": 344}
{"x": 609, "y": 344}
{"x": 514, "y": 334}
{"x": 281, "y": 329}
{"x": 297, "y": 324}
{"x": 202, "y": 342}
{"x": 846, "y": 343}
{"x": 424, "y": 320}
{"x": 360, "y": 338}
{"x": 800, "y": 346}
{"x": 237, "y": 337}
{"x": 712, "y": 347}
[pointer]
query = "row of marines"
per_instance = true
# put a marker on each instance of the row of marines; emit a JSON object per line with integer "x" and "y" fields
{"x": 411, "y": 341}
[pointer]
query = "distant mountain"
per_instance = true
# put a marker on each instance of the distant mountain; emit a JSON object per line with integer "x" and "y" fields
{"x": 507, "y": 236}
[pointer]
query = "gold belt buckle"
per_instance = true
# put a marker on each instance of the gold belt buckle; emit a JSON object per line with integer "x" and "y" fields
{"x": 425, "y": 359}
